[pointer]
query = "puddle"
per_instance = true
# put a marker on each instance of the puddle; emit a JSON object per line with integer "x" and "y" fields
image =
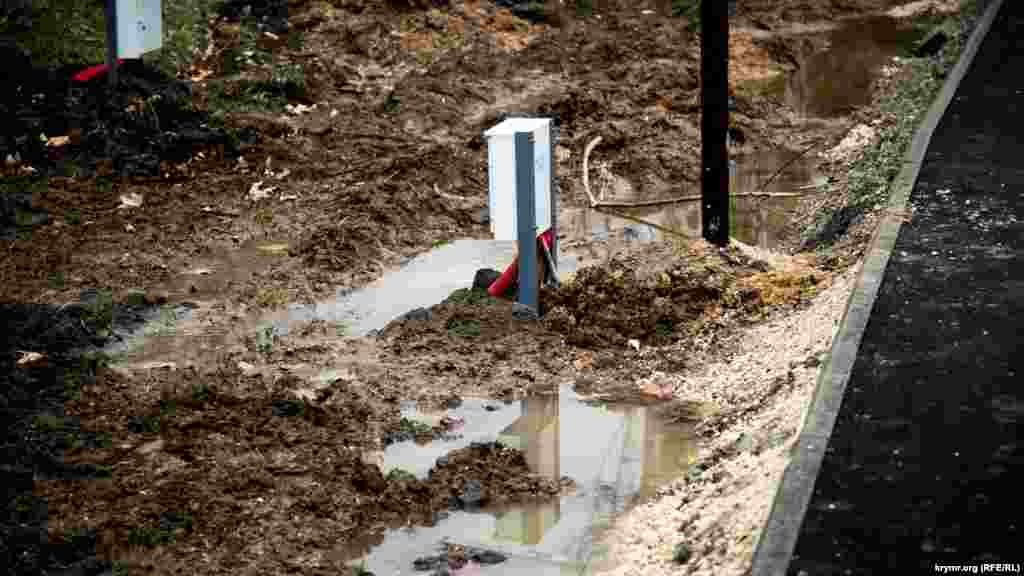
{"x": 755, "y": 220}
{"x": 834, "y": 81}
{"x": 422, "y": 282}
{"x": 616, "y": 454}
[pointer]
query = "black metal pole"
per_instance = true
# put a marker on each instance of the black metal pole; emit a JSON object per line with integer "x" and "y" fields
{"x": 714, "y": 72}
{"x": 111, "y": 14}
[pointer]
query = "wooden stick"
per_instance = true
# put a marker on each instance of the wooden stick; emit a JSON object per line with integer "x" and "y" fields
{"x": 648, "y": 223}
{"x": 586, "y": 165}
{"x": 787, "y": 164}
{"x": 694, "y": 198}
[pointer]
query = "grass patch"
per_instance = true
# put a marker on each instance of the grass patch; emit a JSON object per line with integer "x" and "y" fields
{"x": 100, "y": 312}
{"x": 185, "y": 26}
{"x": 439, "y": 243}
{"x": 73, "y": 216}
{"x": 165, "y": 326}
{"x": 165, "y": 532}
{"x": 871, "y": 173}
{"x": 360, "y": 570}
{"x": 391, "y": 103}
{"x": 398, "y": 475}
{"x": 24, "y": 503}
{"x": 47, "y": 422}
{"x": 246, "y": 95}
{"x": 469, "y": 296}
{"x": 464, "y": 327}
{"x": 414, "y": 427}
{"x": 200, "y": 393}
{"x": 689, "y": 9}
{"x": 55, "y": 280}
{"x": 62, "y": 31}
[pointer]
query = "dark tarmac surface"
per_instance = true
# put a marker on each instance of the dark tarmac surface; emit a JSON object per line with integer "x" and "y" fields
{"x": 924, "y": 467}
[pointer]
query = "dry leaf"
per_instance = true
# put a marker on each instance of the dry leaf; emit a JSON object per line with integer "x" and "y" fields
{"x": 29, "y": 357}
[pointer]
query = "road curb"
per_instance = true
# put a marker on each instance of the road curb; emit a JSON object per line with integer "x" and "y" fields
{"x": 779, "y": 536}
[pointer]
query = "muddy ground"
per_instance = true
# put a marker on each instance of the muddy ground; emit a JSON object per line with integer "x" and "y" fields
{"x": 207, "y": 187}
{"x": 390, "y": 159}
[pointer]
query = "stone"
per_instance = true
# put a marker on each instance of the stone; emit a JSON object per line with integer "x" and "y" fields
{"x": 471, "y": 493}
{"x": 524, "y": 312}
{"x": 486, "y": 557}
{"x": 681, "y": 553}
{"x": 932, "y": 44}
{"x": 482, "y": 216}
{"x": 426, "y": 563}
{"x": 417, "y": 314}
{"x": 484, "y": 277}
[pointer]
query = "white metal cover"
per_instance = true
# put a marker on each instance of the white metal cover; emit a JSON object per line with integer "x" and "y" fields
{"x": 501, "y": 172}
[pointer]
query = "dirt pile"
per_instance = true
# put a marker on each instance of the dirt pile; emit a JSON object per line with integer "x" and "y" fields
{"x": 219, "y": 470}
{"x": 142, "y": 127}
{"x": 691, "y": 291}
{"x": 471, "y": 343}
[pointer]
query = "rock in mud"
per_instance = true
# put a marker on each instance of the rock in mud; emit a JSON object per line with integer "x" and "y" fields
{"x": 830, "y": 230}
{"x": 681, "y": 554}
{"x": 421, "y": 314}
{"x": 932, "y": 44}
{"x": 426, "y": 563}
{"x": 482, "y": 216}
{"x": 471, "y": 494}
{"x": 485, "y": 557}
{"x": 484, "y": 278}
{"x": 524, "y": 312}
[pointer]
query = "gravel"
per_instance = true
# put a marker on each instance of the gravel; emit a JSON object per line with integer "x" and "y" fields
{"x": 717, "y": 510}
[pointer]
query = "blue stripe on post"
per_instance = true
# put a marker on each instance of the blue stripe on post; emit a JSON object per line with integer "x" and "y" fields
{"x": 526, "y": 224}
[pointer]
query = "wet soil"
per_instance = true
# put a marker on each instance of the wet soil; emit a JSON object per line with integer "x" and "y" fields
{"x": 231, "y": 461}
{"x": 390, "y": 160}
{"x": 686, "y": 295}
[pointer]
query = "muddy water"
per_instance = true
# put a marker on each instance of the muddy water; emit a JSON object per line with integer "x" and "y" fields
{"x": 755, "y": 220}
{"x": 833, "y": 81}
{"x": 423, "y": 282}
{"x": 616, "y": 454}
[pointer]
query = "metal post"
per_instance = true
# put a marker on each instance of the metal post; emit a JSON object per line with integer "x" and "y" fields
{"x": 111, "y": 9}
{"x": 554, "y": 198}
{"x": 714, "y": 69}
{"x": 526, "y": 221}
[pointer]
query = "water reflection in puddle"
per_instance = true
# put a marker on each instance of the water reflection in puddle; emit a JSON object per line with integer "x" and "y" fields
{"x": 836, "y": 80}
{"x": 616, "y": 454}
{"x": 756, "y": 220}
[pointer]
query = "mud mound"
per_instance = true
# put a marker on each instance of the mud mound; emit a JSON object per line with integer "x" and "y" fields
{"x": 609, "y": 305}
{"x": 490, "y": 473}
{"x": 481, "y": 474}
{"x": 472, "y": 343}
{"x": 57, "y": 125}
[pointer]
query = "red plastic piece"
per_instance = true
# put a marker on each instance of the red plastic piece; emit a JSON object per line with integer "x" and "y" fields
{"x": 499, "y": 286}
{"x": 93, "y": 71}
